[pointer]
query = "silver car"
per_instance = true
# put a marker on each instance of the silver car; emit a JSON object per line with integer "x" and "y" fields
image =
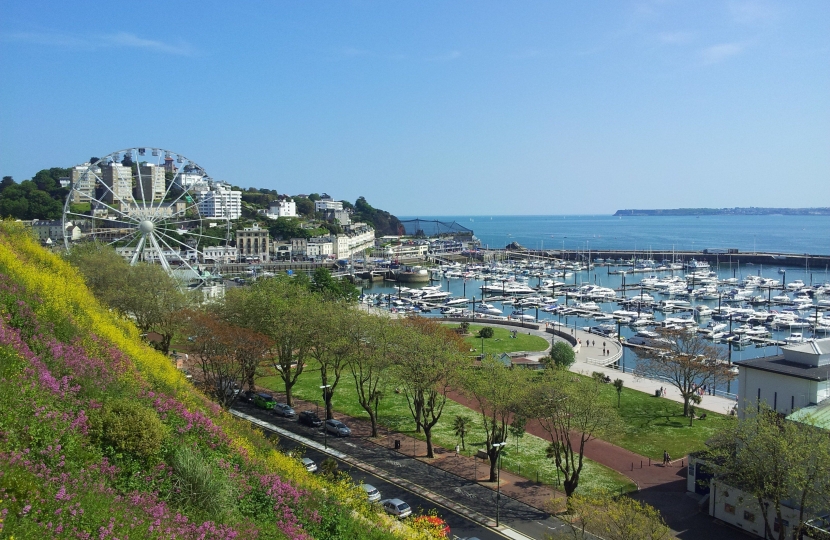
{"x": 309, "y": 464}
{"x": 397, "y": 508}
{"x": 338, "y": 428}
{"x": 372, "y": 492}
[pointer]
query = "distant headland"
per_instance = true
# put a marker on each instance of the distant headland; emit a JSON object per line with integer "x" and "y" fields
{"x": 751, "y": 211}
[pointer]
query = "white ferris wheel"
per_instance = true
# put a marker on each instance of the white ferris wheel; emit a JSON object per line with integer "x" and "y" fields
{"x": 143, "y": 202}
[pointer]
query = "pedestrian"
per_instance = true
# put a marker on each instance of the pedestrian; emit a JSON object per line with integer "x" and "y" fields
{"x": 456, "y": 450}
{"x": 668, "y": 459}
{"x": 665, "y": 457}
{"x": 593, "y": 343}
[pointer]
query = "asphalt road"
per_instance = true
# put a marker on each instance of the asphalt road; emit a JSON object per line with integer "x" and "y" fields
{"x": 519, "y": 516}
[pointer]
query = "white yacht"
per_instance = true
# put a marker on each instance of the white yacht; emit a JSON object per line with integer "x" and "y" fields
{"x": 488, "y": 309}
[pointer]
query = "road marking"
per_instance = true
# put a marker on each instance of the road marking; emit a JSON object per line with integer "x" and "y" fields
{"x": 393, "y": 462}
{"x": 465, "y": 493}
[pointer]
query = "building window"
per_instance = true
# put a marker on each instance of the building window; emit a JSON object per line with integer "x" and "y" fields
{"x": 729, "y": 509}
{"x": 749, "y": 516}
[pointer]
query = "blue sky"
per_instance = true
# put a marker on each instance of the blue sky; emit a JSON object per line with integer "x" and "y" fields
{"x": 436, "y": 108}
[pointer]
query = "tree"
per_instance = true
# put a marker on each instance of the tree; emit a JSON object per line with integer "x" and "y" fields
{"x": 499, "y": 391}
{"x": 517, "y": 428}
{"x": 373, "y": 339}
{"x": 331, "y": 347}
{"x": 572, "y": 412}
{"x": 561, "y": 355}
{"x": 338, "y": 289}
{"x": 774, "y": 460}
{"x": 283, "y": 310}
{"x": 486, "y": 332}
{"x": 461, "y": 425}
{"x": 618, "y": 385}
{"x": 612, "y": 518}
{"x": 105, "y": 271}
{"x": 227, "y": 355}
{"x": 428, "y": 363}
{"x": 686, "y": 361}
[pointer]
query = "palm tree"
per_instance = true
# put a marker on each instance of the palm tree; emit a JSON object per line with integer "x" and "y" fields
{"x": 461, "y": 426}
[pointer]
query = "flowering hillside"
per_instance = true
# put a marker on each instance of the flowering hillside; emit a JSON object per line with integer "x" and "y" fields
{"x": 101, "y": 437}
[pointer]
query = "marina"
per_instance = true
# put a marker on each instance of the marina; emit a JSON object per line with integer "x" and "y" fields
{"x": 749, "y": 311}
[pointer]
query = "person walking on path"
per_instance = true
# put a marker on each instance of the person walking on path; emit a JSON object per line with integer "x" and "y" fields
{"x": 665, "y": 457}
{"x": 456, "y": 450}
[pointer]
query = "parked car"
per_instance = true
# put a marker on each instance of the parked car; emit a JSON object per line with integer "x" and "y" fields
{"x": 310, "y": 418}
{"x": 338, "y": 428}
{"x": 264, "y": 401}
{"x": 372, "y": 492}
{"x": 246, "y": 396}
{"x": 397, "y": 508}
{"x": 282, "y": 409}
{"x": 309, "y": 464}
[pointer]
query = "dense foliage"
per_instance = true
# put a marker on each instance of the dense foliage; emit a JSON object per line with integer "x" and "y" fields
{"x": 382, "y": 221}
{"x": 100, "y": 435}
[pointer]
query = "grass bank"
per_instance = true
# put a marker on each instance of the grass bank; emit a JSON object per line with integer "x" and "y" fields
{"x": 502, "y": 342}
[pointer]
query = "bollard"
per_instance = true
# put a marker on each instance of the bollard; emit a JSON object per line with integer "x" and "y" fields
{"x": 641, "y": 463}
{"x": 632, "y": 465}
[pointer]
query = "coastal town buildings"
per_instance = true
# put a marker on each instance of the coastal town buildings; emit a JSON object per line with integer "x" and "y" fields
{"x": 219, "y": 201}
{"x": 253, "y": 244}
{"x": 282, "y": 208}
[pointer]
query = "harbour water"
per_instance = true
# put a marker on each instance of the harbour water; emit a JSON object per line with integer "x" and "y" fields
{"x": 773, "y": 233}
{"x": 788, "y": 234}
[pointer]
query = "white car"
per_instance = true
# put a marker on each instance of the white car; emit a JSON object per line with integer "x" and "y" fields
{"x": 372, "y": 492}
{"x": 397, "y": 508}
{"x": 309, "y": 464}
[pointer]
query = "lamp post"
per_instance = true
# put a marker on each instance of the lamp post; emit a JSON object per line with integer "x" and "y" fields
{"x": 498, "y": 446}
{"x": 325, "y": 388}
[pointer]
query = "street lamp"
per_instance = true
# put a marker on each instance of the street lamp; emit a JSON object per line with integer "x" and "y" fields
{"x": 325, "y": 388}
{"x": 498, "y": 446}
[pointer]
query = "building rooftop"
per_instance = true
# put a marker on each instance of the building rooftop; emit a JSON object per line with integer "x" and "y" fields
{"x": 779, "y": 364}
{"x": 815, "y": 415}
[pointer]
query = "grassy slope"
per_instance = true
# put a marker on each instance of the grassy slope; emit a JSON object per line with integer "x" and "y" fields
{"x": 72, "y": 475}
{"x": 394, "y": 413}
{"x": 652, "y": 424}
{"x": 502, "y": 342}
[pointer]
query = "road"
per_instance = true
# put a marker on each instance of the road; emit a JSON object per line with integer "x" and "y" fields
{"x": 465, "y": 495}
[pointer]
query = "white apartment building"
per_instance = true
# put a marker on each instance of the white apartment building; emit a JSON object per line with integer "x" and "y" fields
{"x": 282, "y": 208}
{"x": 797, "y": 378}
{"x": 187, "y": 180}
{"x": 359, "y": 237}
{"x": 327, "y": 203}
{"x": 220, "y": 202}
{"x": 320, "y": 246}
{"x": 220, "y": 254}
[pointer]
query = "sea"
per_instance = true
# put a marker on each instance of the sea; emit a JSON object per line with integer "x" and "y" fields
{"x": 795, "y": 235}
{"x": 748, "y": 233}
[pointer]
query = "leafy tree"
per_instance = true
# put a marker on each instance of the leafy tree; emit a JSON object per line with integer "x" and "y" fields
{"x": 339, "y": 289}
{"x": 305, "y": 207}
{"x": 7, "y": 181}
{"x": 499, "y": 391}
{"x": 105, "y": 272}
{"x": 331, "y": 347}
{"x": 687, "y": 361}
{"x": 373, "y": 339}
{"x": 227, "y": 355}
{"x": 25, "y": 201}
{"x": 428, "y": 362}
{"x": 774, "y": 460}
{"x": 611, "y": 518}
{"x": 572, "y": 412}
{"x": 314, "y": 197}
{"x": 282, "y": 309}
{"x": 461, "y": 425}
{"x": 561, "y": 355}
{"x": 287, "y": 228}
{"x": 486, "y": 332}
{"x": 618, "y": 385}
{"x": 517, "y": 428}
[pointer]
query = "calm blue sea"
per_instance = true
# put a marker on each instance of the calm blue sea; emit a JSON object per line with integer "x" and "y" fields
{"x": 776, "y": 233}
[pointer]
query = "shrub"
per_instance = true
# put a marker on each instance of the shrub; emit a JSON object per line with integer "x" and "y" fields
{"x": 127, "y": 427}
{"x": 486, "y": 332}
{"x": 562, "y": 355}
{"x": 200, "y": 486}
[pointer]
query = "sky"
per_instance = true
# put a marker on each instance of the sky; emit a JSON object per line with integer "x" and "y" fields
{"x": 436, "y": 107}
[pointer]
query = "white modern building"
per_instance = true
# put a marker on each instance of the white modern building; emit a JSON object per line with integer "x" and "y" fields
{"x": 220, "y": 202}
{"x": 220, "y": 254}
{"x": 187, "y": 180}
{"x": 282, "y": 208}
{"x": 799, "y": 377}
{"x": 327, "y": 203}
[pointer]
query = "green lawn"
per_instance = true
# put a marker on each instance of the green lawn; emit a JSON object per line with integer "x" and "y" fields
{"x": 394, "y": 413}
{"x": 501, "y": 342}
{"x": 653, "y": 424}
